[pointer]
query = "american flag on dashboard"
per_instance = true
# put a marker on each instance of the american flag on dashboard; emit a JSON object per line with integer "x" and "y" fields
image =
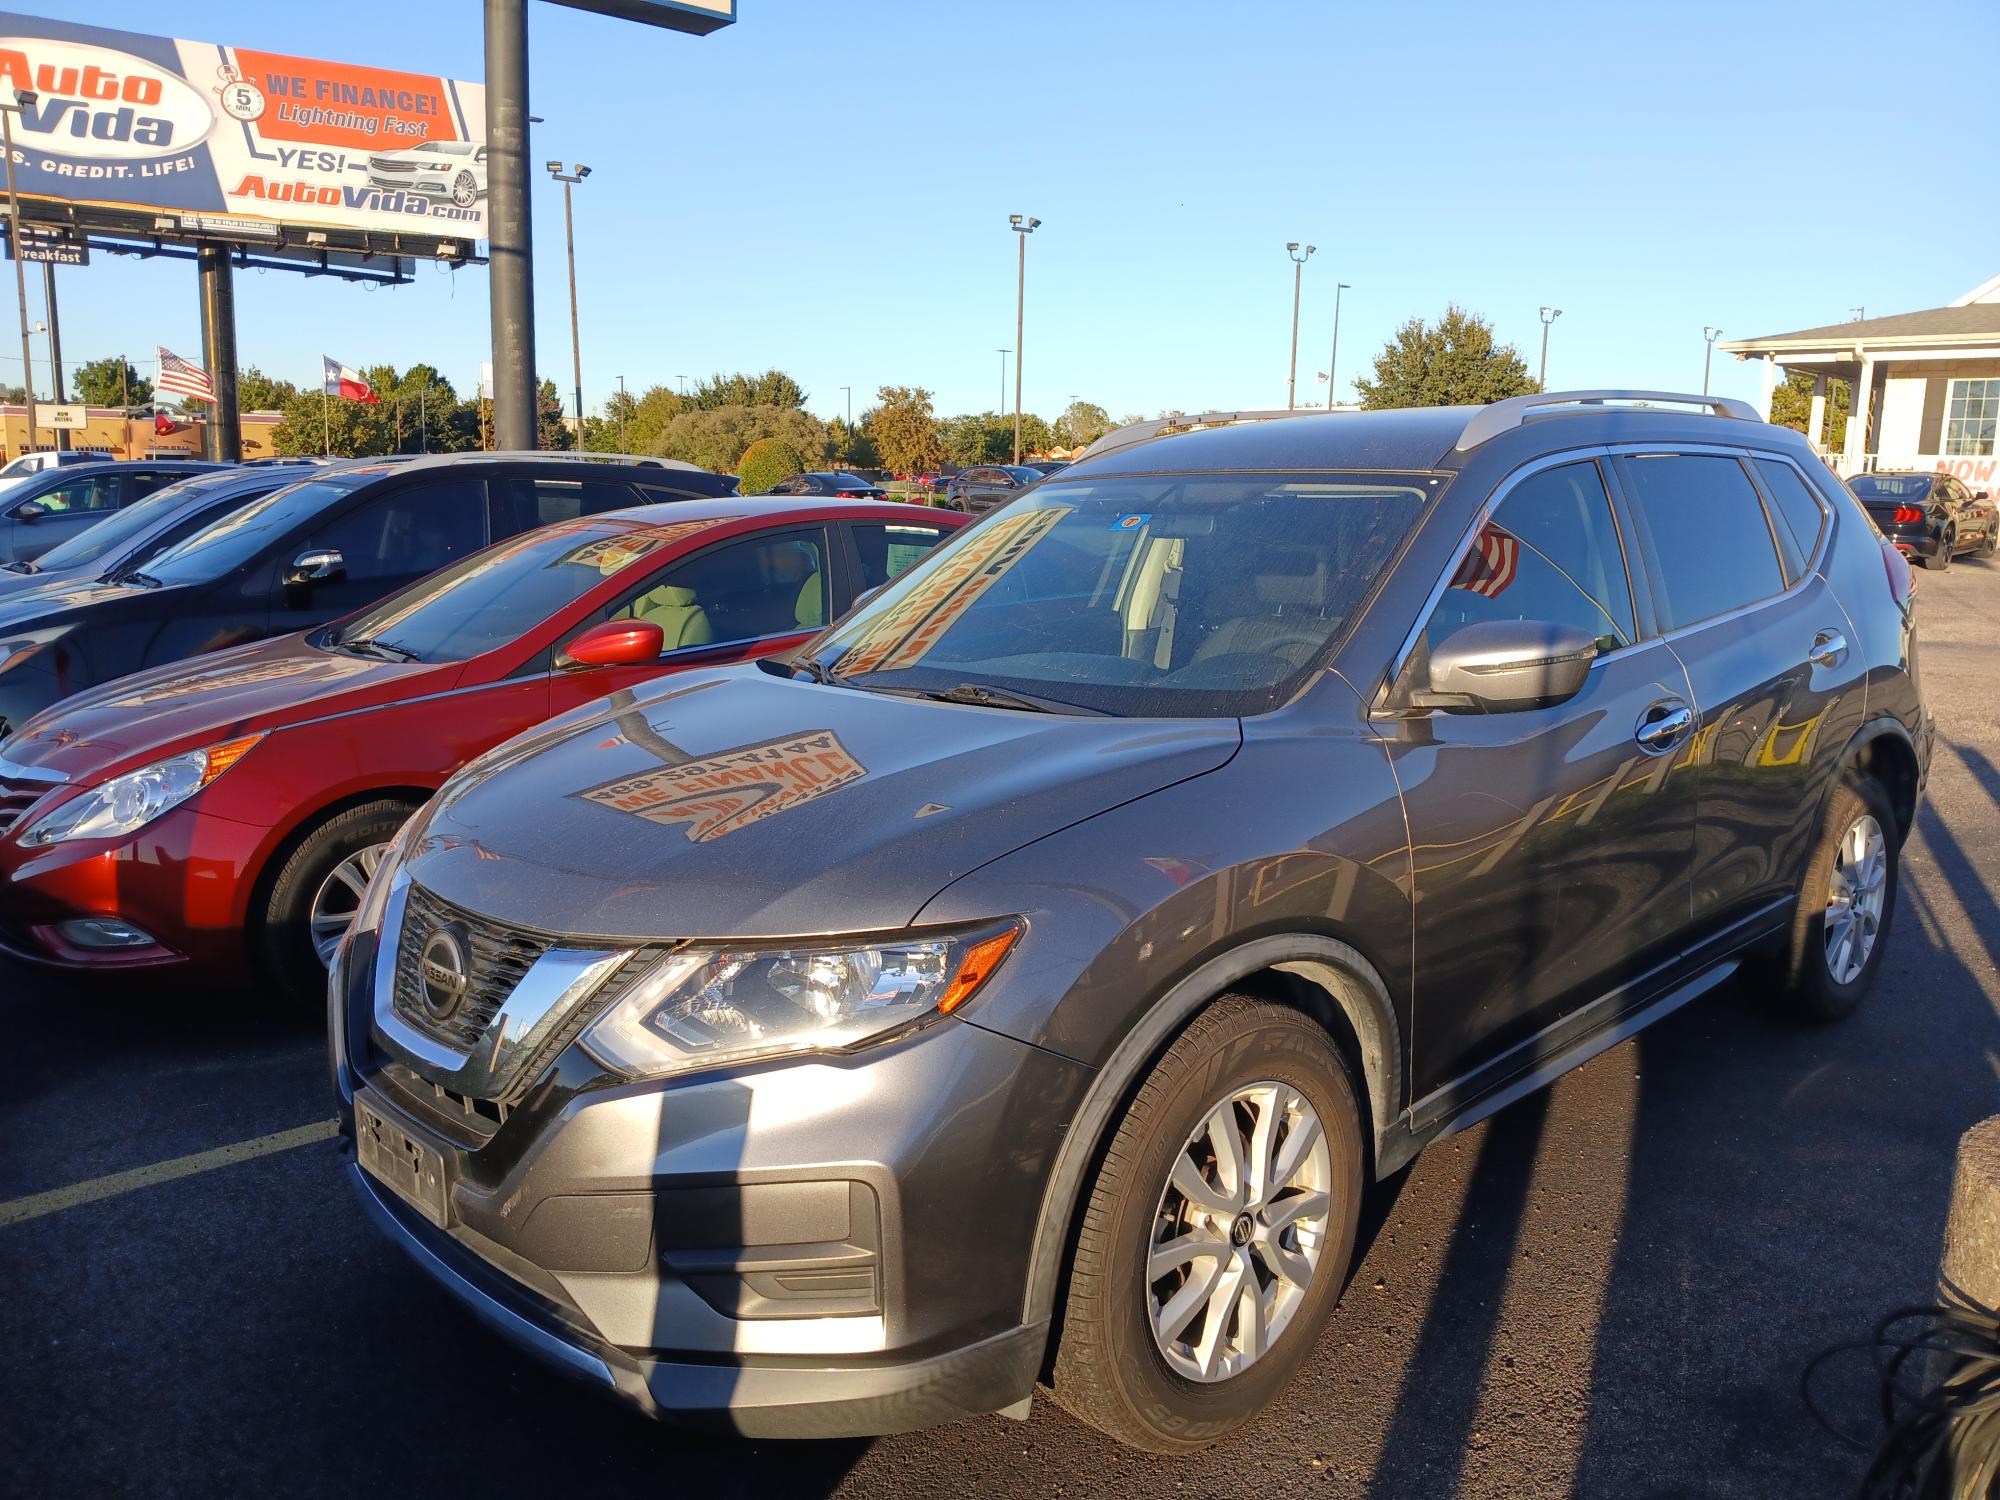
{"x": 1491, "y": 564}
{"x": 182, "y": 378}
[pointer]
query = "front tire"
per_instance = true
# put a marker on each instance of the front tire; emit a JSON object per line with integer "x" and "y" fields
{"x": 315, "y": 894}
{"x": 1845, "y": 905}
{"x": 1217, "y": 1234}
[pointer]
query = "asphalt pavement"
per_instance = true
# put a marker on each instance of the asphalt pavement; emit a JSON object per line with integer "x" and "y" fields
{"x": 1606, "y": 1290}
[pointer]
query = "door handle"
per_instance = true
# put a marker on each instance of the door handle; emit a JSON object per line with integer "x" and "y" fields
{"x": 1664, "y": 726}
{"x": 1829, "y": 649}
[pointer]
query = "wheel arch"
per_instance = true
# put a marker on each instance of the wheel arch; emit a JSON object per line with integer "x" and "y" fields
{"x": 1327, "y": 979}
{"x": 1883, "y": 750}
{"x": 302, "y": 827}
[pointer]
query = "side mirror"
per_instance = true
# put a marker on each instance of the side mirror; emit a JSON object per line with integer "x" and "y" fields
{"x": 321, "y": 565}
{"x": 30, "y": 510}
{"x": 616, "y": 643}
{"x": 1982, "y": 495}
{"x": 1503, "y": 665}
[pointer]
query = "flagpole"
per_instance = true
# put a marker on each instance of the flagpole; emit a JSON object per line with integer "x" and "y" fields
{"x": 325, "y": 423}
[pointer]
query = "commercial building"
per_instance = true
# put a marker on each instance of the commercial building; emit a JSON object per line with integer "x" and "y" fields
{"x": 112, "y": 432}
{"x": 1925, "y": 386}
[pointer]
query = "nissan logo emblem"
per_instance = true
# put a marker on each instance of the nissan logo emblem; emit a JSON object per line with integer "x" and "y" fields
{"x": 443, "y": 974}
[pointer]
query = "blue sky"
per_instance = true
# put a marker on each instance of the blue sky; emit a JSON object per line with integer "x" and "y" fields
{"x": 825, "y": 188}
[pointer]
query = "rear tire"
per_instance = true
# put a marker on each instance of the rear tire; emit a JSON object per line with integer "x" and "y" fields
{"x": 1131, "y": 1362}
{"x": 322, "y": 877}
{"x": 1849, "y": 889}
{"x": 1941, "y": 560}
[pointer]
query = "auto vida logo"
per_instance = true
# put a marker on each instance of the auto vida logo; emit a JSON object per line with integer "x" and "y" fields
{"x": 94, "y": 102}
{"x": 443, "y": 974}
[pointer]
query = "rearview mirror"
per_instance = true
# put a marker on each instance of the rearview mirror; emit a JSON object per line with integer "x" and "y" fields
{"x": 321, "y": 565}
{"x": 1499, "y": 666}
{"x": 30, "y": 510}
{"x": 616, "y": 643}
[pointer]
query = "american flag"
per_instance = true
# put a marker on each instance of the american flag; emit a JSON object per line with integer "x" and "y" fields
{"x": 182, "y": 378}
{"x": 1491, "y": 564}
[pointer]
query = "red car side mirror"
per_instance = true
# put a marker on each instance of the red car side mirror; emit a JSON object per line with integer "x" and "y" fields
{"x": 616, "y": 643}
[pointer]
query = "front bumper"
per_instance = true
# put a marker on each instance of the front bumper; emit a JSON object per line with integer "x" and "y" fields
{"x": 829, "y": 1246}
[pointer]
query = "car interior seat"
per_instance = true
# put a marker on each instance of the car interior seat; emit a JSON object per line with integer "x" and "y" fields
{"x": 682, "y": 620}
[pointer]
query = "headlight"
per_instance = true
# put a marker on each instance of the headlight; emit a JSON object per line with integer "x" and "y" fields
{"x": 705, "y": 1007}
{"x": 18, "y": 649}
{"x": 128, "y": 803}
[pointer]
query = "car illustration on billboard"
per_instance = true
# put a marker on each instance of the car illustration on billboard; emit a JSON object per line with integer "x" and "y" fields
{"x": 445, "y": 169}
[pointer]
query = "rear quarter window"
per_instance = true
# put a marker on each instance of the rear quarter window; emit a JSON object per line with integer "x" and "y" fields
{"x": 1707, "y": 544}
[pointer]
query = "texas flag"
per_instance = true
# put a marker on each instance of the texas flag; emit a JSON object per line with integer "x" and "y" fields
{"x": 347, "y": 384}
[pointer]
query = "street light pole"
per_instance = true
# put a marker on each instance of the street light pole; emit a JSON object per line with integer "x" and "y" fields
{"x": 570, "y": 180}
{"x": 848, "y": 391}
{"x": 1023, "y": 226}
{"x": 1298, "y": 272}
{"x": 1549, "y": 315}
{"x": 621, "y": 413}
{"x": 55, "y": 347}
{"x": 7, "y": 112}
{"x": 1003, "y": 379}
{"x": 1710, "y": 335}
{"x": 1333, "y": 359}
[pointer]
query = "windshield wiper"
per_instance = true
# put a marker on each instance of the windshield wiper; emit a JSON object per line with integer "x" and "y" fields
{"x": 814, "y": 668}
{"x": 982, "y": 696}
{"x": 20, "y": 567}
{"x": 144, "y": 580}
{"x": 387, "y": 650}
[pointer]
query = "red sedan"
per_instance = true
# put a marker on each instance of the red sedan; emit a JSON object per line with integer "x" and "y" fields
{"x": 226, "y": 812}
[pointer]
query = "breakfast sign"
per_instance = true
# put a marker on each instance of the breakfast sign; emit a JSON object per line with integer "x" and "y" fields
{"x": 238, "y": 142}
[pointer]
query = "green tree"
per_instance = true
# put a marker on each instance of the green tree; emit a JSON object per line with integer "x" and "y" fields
{"x": 1791, "y": 406}
{"x": 1453, "y": 362}
{"x": 552, "y": 433}
{"x": 849, "y": 446}
{"x": 1036, "y": 435}
{"x": 1081, "y": 422}
{"x": 904, "y": 431}
{"x": 764, "y": 463}
{"x": 772, "y": 388}
{"x": 256, "y": 391}
{"x": 715, "y": 439}
{"x": 985, "y": 437}
{"x": 96, "y": 383}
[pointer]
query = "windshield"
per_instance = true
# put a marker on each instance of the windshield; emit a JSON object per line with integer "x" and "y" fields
{"x": 448, "y": 148}
{"x": 493, "y": 597}
{"x": 234, "y": 539}
{"x": 1179, "y": 595}
{"x": 95, "y": 543}
{"x": 1891, "y": 486}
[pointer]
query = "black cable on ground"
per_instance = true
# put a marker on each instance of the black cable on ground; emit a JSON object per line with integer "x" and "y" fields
{"x": 1937, "y": 1374}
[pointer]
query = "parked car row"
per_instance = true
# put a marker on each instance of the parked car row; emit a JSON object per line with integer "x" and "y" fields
{"x": 799, "y": 976}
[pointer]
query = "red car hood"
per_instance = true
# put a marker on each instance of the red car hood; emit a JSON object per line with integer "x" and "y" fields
{"x": 188, "y": 704}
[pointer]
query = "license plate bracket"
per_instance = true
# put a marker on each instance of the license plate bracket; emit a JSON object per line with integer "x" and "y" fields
{"x": 409, "y": 1168}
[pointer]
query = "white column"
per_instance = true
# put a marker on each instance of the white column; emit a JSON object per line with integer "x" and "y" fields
{"x": 1857, "y": 421}
{"x": 1816, "y": 423}
{"x": 1770, "y": 385}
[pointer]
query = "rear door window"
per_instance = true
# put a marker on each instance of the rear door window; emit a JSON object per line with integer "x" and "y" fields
{"x": 1707, "y": 544}
{"x": 414, "y": 529}
{"x": 522, "y": 504}
{"x": 1550, "y": 552}
{"x": 886, "y": 548}
{"x": 1798, "y": 513}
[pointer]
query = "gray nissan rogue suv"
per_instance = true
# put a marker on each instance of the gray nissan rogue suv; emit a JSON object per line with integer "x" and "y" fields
{"x": 1020, "y": 985}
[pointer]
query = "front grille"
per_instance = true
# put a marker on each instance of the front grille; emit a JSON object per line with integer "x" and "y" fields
{"x": 376, "y": 164}
{"x": 16, "y": 797}
{"x": 497, "y": 957}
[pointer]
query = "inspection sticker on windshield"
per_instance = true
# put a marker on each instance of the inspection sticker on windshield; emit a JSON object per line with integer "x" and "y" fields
{"x": 1132, "y": 522}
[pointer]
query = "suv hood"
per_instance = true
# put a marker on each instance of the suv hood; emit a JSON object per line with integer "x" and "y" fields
{"x": 188, "y": 704}
{"x": 739, "y": 805}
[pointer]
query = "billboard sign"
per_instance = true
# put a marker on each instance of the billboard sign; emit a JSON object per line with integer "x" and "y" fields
{"x": 50, "y": 245}
{"x": 240, "y": 139}
{"x": 698, "y": 16}
{"x": 70, "y": 418}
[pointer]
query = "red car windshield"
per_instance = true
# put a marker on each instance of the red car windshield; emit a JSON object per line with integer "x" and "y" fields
{"x": 492, "y": 597}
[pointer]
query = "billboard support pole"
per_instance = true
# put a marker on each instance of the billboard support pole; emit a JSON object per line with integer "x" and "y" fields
{"x": 20, "y": 270}
{"x": 509, "y": 226}
{"x": 218, "y": 351}
{"x": 55, "y": 347}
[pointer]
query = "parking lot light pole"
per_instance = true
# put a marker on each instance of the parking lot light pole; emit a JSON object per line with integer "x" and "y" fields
{"x": 570, "y": 180}
{"x": 8, "y": 109}
{"x": 1711, "y": 335}
{"x": 1549, "y": 315}
{"x": 848, "y": 391}
{"x": 1003, "y": 378}
{"x": 1333, "y": 359}
{"x": 1299, "y": 254}
{"x": 621, "y": 413}
{"x": 1023, "y": 226}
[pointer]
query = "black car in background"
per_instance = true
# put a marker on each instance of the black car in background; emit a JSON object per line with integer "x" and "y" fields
{"x": 40, "y": 510}
{"x": 315, "y": 550}
{"x": 125, "y": 538}
{"x": 984, "y": 486}
{"x": 830, "y": 482}
{"x": 1931, "y": 517}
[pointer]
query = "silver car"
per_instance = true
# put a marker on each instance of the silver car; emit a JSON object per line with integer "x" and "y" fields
{"x": 442, "y": 169}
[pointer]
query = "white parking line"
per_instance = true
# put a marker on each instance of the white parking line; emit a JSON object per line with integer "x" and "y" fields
{"x": 111, "y": 1185}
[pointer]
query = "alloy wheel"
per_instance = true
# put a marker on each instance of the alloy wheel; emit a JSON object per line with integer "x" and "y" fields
{"x": 1239, "y": 1231}
{"x": 1857, "y": 888}
{"x": 339, "y": 897}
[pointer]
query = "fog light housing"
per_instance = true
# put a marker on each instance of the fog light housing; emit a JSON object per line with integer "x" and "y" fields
{"x": 104, "y": 932}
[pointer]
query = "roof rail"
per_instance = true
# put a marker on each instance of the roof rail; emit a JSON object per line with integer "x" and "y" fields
{"x": 1173, "y": 422}
{"x": 647, "y": 460}
{"x": 1504, "y": 416}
